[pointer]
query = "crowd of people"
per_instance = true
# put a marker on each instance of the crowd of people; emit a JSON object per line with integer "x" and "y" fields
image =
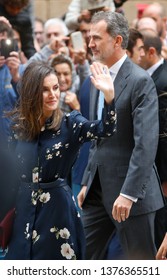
{"x": 83, "y": 132}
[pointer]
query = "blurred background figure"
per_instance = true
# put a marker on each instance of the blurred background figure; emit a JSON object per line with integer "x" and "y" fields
{"x": 140, "y": 9}
{"x": 84, "y": 27}
{"x": 55, "y": 36}
{"x": 68, "y": 83}
{"x": 157, "y": 12}
{"x": 79, "y": 10}
{"x": 10, "y": 69}
{"x": 39, "y": 38}
{"x": 146, "y": 23}
{"x": 156, "y": 66}
{"x": 16, "y": 31}
{"x": 119, "y": 6}
{"x": 135, "y": 49}
{"x": 19, "y": 13}
{"x": 54, "y": 28}
{"x": 153, "y": 62}
{"x": 9, "y": 73}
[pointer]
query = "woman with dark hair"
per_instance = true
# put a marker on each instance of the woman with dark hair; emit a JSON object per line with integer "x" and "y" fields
{"x": 47, "y": 224}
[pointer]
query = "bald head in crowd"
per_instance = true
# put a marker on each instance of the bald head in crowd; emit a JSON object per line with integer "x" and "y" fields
{"x": 146, "y": 23}
{"x": 157, "y": 12}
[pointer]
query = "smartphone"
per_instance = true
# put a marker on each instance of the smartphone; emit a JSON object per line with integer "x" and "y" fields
{"x": 7, "y": 46}
{"x": 95, "y": 10}
{"x": 77, "y": 40}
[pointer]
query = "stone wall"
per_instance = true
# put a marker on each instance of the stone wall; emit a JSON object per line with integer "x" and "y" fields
{"x": 50, "y": 8}
{"x": 57, "y": 8}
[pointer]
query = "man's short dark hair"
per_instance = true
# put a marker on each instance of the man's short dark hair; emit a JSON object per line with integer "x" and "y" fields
{"x": 151, "y": 39}
{"x": 134, "y": 34}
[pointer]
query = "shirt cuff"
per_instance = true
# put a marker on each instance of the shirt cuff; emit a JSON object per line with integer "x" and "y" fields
{"x": 134, "y": 199}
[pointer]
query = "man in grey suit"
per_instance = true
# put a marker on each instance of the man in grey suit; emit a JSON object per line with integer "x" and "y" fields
{"x": 121, "y": 189}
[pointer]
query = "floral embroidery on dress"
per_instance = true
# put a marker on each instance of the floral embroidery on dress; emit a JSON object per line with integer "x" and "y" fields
{"x": 27, "y": 234}
{"x": 35, "y": 175}
{"x": 67, "y": 252}
{"x": 66, "y": 249}
{"x": 35, "y": 236}
{"x": 80, "y": 125}
{"x": 81, "y": 139}
{"x": 89, "y": 134}
{"x": 57, "y": 153}
{"x": 39, "y": 195}
{"x": 50, "y": 156}
{"x": 57, "y": 146}
{"x": 44, "y": 197}
{"x": 55, "y": 150}
{"x": 35, "y": 196}
{"x": 56, "y": 175}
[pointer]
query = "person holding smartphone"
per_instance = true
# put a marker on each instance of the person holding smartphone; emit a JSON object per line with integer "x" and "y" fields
{"x": 10, "y": 70}
{"x": 19, "y": 13}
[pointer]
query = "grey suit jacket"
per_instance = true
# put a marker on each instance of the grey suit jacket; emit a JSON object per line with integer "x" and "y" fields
{"x": 125, "y": 162}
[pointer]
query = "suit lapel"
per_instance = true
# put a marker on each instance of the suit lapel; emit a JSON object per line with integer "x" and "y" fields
{"x": 120, "y": 81}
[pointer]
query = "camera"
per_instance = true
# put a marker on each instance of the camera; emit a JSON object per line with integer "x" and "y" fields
{"x": 7, "y": 46}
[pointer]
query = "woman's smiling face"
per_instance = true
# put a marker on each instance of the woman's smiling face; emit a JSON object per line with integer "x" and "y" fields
{"x": 51, "y": 94}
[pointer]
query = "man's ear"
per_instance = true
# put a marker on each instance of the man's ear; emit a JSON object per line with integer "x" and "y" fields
{"x": 152, "y": 51}
{"x": 118, "y": 41}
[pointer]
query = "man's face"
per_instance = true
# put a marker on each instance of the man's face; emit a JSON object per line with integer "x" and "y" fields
{"x": 145, "y": 61}
{"x": 101, "y": 43}
{"x": 39, "y": 32}
{"x": 53, "y": 31}
{"x": 138, "y": 52}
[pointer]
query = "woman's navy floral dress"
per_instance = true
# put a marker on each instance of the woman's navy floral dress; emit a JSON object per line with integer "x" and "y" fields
{"x": 47, "y": 224}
